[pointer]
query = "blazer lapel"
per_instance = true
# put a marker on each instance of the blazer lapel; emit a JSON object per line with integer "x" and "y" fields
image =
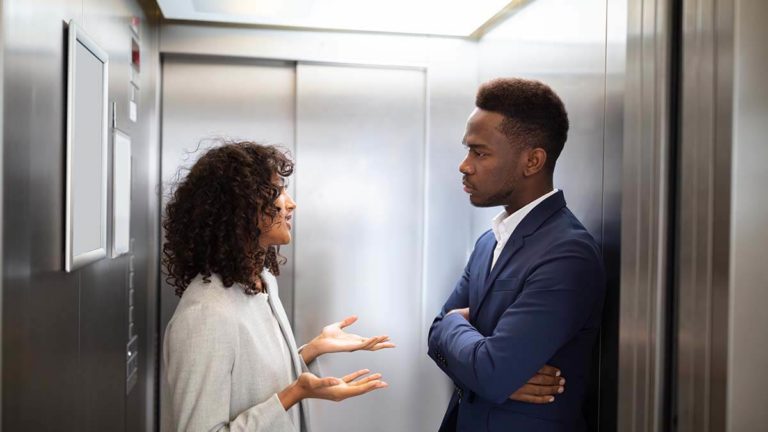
{"x": 482, "y": 266}
{"x": 529, "y": 225}
{"x": 285, "y": 327}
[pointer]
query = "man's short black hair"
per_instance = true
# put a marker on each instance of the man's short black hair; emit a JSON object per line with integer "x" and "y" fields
{"x": 532, "y": 111}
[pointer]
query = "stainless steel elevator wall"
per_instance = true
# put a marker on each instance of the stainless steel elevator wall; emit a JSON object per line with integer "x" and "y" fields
{"x": 361, "y": 145}
{"x": 65, "y": 334}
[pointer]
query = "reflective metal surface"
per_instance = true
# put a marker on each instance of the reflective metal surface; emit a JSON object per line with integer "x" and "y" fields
{"x": 748, "y": 279}
{"x": 359, "y": 229}
{"x": 578, "y": 48}
{"x": 2, "y": 116}
{"x": 644, "y": 217}
{"x": 704, "y": 200}
{"x": 64, "y": 334}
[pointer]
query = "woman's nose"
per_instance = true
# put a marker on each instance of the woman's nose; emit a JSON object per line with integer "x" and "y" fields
{"x": 290, "y": 204}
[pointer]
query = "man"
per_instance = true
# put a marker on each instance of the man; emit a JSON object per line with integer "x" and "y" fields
{"x": 532, "y": 292}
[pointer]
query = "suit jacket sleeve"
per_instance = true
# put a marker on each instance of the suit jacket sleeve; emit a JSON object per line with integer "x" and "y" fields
{"x": 556, "y": 301}
{"x": 458, "y": 299}
{"x": 200, "y": 350}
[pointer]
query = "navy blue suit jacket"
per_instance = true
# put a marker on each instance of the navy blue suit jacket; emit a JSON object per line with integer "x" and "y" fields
{"x": 541, "y": 304}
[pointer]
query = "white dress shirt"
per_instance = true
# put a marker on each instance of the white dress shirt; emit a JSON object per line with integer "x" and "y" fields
{"x": 504, "y": 224}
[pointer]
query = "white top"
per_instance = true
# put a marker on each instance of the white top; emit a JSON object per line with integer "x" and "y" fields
{"x": 226, "y": 355}
{"x": 504, "y": 225}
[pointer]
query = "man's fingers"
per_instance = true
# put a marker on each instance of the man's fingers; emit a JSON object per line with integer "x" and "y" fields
{"x": 355, "y": 375}
{"x": 532, "y": 399}
{"x": 550, "y": 380}
{"x": 549, "y": 370}
{"x": 540, "y": 390}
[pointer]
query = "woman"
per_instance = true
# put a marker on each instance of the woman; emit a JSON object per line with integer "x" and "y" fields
{"x": 231, "y": 362}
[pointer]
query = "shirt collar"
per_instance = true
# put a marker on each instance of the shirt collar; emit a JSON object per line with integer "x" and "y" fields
{"x": 503, "y": 224}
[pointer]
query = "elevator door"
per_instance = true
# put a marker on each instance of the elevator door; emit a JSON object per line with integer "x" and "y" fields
{"x": 358, "y": 137}
{"x": 359, "y": 232}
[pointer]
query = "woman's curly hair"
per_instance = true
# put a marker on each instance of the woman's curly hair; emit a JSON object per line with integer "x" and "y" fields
{"x": 211, "y": 218}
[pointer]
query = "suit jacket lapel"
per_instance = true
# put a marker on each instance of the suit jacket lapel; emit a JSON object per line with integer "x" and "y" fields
{"x": 530, "y": 224}
{"x": 482, "y": 265}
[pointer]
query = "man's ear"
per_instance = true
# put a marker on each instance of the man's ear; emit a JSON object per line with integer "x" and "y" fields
{"x": 536, "y": 158}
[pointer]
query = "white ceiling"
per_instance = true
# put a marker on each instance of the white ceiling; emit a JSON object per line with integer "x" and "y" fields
{"x": 438, "y": 17}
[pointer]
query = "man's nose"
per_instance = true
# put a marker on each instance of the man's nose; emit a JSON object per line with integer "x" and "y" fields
{"x": 465, "y": 167}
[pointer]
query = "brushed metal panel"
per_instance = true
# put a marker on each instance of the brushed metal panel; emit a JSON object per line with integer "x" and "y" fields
{"x": 359, "y": 230}
{"x": 63, "y": 362}
{"x": 2, "y": 115}
{"x": 644, "y": 217}
{"x": 41, "y": 368}
{"x": 748, "y": 278}
{"x": 704, "y": 201}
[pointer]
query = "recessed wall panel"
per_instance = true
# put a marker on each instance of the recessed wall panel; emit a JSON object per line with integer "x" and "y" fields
{"x": 359, "y": 231}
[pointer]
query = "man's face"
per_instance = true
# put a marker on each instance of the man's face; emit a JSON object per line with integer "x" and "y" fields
{"x": 493, "y": 166}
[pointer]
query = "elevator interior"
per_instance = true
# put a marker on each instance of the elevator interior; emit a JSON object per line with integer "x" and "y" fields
{"x": 374, "y": 121}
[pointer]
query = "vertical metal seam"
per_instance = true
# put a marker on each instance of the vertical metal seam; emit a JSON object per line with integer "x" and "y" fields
{"x": 424, "y": 232}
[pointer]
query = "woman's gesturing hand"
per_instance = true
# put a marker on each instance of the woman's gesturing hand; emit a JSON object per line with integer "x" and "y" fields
{"x": 333, "y": 338}
{"x": 335, "y": 389}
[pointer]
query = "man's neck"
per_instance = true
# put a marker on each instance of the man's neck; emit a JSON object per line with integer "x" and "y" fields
{"x": 527, "y": 196}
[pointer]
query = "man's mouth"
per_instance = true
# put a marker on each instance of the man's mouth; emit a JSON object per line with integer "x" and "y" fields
{"x": 467, "y": 187}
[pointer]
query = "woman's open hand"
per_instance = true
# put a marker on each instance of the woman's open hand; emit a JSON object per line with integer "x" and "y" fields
{"x": 335, "y": 389}
{"x": 333, "y": 338}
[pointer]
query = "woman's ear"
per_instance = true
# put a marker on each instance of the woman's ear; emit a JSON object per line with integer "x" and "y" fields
{"x": 535, "y": 160}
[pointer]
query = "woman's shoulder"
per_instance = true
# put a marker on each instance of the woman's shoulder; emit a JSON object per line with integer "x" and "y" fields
{"x": 206, "y": 296}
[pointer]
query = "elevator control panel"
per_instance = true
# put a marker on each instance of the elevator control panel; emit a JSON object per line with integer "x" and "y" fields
{"x": 132, "y": 347}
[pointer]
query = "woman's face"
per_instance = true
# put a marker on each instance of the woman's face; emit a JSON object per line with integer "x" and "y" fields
{"x": 277, "y": 231}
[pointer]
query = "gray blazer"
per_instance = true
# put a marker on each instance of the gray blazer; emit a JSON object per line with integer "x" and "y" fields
{"x": 226, "y": 356}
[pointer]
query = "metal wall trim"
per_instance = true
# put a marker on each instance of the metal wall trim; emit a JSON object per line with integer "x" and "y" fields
{"x": 645, "y": 217}
{"x": 704, "y": 201}
{"x": 2, "y": 182}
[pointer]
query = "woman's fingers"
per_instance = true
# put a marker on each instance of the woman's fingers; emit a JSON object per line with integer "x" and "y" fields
{"x": 355, "y": 375}
{"x": 364, "y": 380}
{"x": 357, "y": 390}
{"x": 348, "y": 321}
{"x": 327, "y": 382}
{"x": 382, "y": 346}
{"x": 371, "y": 343}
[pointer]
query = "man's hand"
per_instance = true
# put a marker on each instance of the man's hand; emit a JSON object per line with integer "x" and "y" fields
{"x": 463, "y": 312}
{"x": 542, "y": 387}
{"x": 334, "y": 339}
